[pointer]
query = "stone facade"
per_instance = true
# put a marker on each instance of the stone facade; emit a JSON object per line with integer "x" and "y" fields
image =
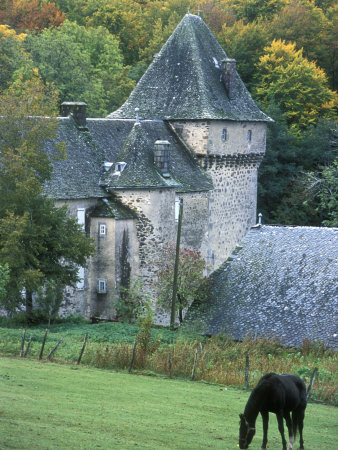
{"x": 230, "y": 152}
{"x": 154, "y": 226}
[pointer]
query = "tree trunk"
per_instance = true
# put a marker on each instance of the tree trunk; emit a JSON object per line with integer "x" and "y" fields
{"x": 180, "y": 308}
{"x": 29, "y": 304}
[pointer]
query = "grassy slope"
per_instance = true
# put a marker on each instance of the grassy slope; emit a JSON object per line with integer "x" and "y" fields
{"x": 46, "y": 405}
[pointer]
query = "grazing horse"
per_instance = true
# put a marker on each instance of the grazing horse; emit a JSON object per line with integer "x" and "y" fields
{"x": 279, "y": 394}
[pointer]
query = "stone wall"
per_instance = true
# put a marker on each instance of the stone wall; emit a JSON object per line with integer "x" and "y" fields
{"x": 76, "y": 300}
{"x": 232, "y": 204}
{"x": 195, "y": 134}
{"x": 235, "y": 138}
{"x": 114, "y": 262}
{"x": 230, "y": 151}
{"x": 155, "y": 225}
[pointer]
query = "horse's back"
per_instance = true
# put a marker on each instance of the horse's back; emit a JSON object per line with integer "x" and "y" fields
{"x": 286, "y": 392}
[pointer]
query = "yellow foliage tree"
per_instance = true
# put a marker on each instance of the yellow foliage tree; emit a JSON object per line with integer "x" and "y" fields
{"x": 300, "y": 88}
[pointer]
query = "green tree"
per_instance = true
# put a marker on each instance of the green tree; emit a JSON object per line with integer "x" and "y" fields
{"x": 322, "y": 187}
{"x": 296, "y": 85}
{"x": 251, "y": 10}
{"x": 13, "y": 57}
{"x": 282, "y": 197}
{"x": 84, "y": 64}
{"x": 4, "y": 280}
{"x": 191, "y": 283}
{"x": 305, "y": 24}
{"x": 38, "y": 241}
{"x": 245, "y": 43}
{"x": 123, "y": 19}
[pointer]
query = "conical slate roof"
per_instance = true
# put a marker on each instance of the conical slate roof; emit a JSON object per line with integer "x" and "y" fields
{"x": 184, "y": 81}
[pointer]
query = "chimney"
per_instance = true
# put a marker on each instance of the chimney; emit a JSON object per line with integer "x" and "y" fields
{"x": 229, "y": 76}
{"x": 78, "y": 111}
{"x": 162, "y": 157}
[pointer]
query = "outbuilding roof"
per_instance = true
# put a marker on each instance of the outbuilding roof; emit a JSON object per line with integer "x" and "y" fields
{"x": 281, "y": 282}
{"x": 184, "y": 81}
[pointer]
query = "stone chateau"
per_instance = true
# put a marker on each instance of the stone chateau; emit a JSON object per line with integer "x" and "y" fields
{"x": 189, "y": 130}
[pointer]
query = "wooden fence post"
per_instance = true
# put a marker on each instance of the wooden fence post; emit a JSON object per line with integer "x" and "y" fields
{"x": 170, "y": 364}
{"x": 23, "y": 343}
{"x": 132, "y": 357}
{"x": 43, "y": 344}
{"x": 28, "y": 346}
{"x": 54, "y": 350}
{"x": 247, "y": 362}
{"x": 312, "y": 382}
{"x": 82, "y": 349}
{"x": 195, "y": 363}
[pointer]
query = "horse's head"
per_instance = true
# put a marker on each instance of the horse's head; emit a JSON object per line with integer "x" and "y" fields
{"x": 246, "y": 432}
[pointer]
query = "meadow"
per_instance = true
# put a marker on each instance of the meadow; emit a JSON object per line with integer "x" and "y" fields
{"x": 47, "y": 405}
{"x": 177, "y": 354}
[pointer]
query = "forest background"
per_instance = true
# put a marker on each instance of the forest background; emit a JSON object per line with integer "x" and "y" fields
{"x": 96, "y": 51}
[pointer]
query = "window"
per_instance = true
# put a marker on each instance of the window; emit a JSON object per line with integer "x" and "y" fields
{"x": 80, "y": 283}
{"x": 119, "y": 167}
{"x": 177, "y": 208}
{"x": 224, "y": 134}
{"x": 102, "y": 229}
{"x": 249, "y": 135}
{"x": 101, "y": 286}
{"x": 81, "y": 217}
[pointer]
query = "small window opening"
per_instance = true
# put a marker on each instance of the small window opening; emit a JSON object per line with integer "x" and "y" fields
{"x": 224, "y": 134}
{"x": 177, "y": 208}
{"x": 101, "y": 286}
{"x": 102, "y": 229}
{"x": 249, "y": 135}
{"x": 119, "y": 167}
{"x": 81, "y": 217}
{"x": 80, "y": 283}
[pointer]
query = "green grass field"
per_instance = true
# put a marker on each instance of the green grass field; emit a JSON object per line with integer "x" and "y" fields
{"x": 50, "y": 406}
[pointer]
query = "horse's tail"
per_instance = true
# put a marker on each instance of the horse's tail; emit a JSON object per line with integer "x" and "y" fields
{"x": 295, "y": 424}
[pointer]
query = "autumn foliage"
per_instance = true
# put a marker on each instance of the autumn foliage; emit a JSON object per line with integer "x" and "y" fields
{"x": 30, "y": 14}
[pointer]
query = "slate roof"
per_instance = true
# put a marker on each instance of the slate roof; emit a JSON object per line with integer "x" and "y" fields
{"x": 183, "y": 81}
{"x": 281, "y": 282}
{"x": 82, "y": 174}
{"x": 111, "y": 208}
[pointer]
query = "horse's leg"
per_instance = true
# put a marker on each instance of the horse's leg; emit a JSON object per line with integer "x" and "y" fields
{"x": 300, "y": 427}
{"x": 289, "y": 425}
{"x": 281, "y": 428}
{"x": 265, "y": 418}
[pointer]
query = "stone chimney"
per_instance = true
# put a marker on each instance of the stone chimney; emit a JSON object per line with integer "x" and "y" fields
{"x": 162, "y": 157}
{"x": 78, "y": 111}
{"x": 228, "y": 69}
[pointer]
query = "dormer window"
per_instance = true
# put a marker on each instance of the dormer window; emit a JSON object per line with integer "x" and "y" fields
{"x": 224, "y": 134}
{"x": 119, "y": 167}
{"x": 107, "y": 165}
{"x": 249, "y": 135}
{"x": 162, "y": 157}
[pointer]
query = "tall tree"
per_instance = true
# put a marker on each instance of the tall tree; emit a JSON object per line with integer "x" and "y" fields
{"x": 38, "y": 241}
{"x": 191, "y": 283}
{"x": 298, "y": 86}
{"x": 84, "y": 64}
{"x": 13, "y": 58}
{"x": 303, "y": 23}
{"x": 30, "y": 14}
{"x": 245, "y": 43}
